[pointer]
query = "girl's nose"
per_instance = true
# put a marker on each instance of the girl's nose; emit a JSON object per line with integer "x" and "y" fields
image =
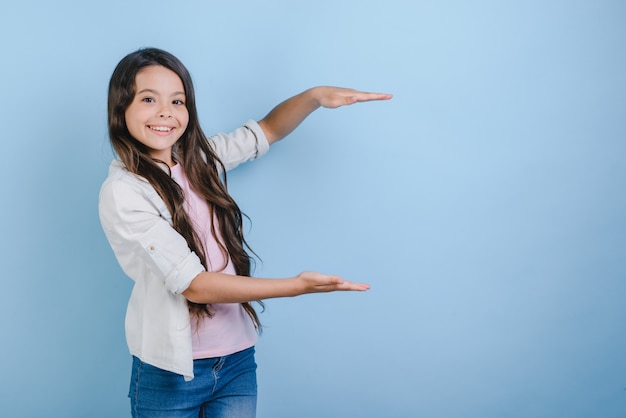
{"x": 165, "y": 112}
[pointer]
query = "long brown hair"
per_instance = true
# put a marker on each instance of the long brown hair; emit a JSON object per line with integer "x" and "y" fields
{"x": 203, "y": 168}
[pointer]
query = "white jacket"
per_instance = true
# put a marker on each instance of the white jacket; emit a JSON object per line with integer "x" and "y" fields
{"x": 157, "y": 258}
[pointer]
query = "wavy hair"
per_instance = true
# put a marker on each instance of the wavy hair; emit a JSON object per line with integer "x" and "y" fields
{"x": 203, "y": 168}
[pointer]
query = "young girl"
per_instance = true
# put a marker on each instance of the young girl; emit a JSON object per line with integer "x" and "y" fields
{"x": 177, "y": 233}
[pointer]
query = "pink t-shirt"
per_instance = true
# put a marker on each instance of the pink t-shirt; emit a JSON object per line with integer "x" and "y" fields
{"x": 230, "y": 329}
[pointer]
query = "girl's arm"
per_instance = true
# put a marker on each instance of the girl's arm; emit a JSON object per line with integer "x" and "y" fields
{"x": 285, "y": 117}
{"x": 211, "y": 287}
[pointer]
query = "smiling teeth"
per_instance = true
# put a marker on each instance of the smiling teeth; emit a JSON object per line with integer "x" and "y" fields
{"x": 160, "y": 128}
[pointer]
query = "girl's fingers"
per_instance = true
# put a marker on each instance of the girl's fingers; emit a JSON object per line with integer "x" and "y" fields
{"x": 347, "y": 285}
{"x": 366, "y": 97}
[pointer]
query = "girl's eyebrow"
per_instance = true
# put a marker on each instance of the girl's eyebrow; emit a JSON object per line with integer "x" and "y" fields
{"x": 176, "y": 93}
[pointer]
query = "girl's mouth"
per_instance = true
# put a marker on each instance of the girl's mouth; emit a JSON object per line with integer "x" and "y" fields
{"x": 161, "y": 128}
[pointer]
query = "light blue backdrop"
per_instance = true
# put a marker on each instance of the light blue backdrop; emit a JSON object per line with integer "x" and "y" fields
{"x": 485, "y": 204}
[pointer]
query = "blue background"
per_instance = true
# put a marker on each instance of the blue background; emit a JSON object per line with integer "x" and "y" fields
{"x": 485, "y": 203}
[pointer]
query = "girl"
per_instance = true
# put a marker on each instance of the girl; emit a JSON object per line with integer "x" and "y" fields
{"x": 177, "y": 233}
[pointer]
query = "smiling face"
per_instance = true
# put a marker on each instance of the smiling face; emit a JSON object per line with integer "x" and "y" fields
{"x": 158, "y": 116}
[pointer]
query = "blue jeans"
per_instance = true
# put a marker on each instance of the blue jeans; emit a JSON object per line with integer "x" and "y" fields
{"x": 222, "y": 387}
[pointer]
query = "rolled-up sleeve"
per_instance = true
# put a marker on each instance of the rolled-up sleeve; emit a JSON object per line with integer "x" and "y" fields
{"x": 145, "y": 244}
{"x": 243, "y": 144}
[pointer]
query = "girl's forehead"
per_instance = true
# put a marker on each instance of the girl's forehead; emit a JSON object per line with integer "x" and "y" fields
{"x": 158, "y": 77}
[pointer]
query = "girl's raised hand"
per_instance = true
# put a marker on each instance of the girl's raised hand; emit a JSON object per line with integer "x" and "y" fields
{"x": 312, "y": 282}
{"x": 334, "y": 97}
{"x": 285, "y": 117}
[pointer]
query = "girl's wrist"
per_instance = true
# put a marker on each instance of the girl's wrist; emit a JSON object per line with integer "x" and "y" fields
{"x": 296, "y": 286}
{"x": 316, "y": 94}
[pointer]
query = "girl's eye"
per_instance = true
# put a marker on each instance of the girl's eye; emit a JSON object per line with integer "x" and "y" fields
{"x": 148, "y": 100}
{"x": 178, "y": 102}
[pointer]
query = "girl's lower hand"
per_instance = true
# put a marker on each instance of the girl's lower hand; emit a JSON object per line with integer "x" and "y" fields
{"x": 312, "y": 282}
